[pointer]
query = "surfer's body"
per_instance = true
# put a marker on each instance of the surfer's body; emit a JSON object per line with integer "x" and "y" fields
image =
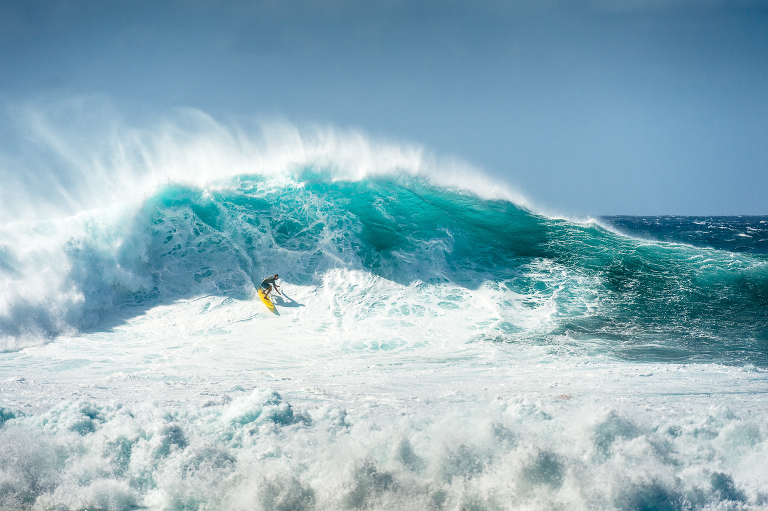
{"x": 270, "y": 283}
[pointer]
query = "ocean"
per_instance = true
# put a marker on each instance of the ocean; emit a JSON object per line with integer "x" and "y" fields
{"x": 435, "y": 348}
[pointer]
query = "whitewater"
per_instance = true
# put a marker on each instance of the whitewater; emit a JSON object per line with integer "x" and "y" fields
{"x": 439, "y": 345}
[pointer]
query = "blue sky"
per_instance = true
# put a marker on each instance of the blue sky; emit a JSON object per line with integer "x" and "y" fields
{"x": 586, "y": 107}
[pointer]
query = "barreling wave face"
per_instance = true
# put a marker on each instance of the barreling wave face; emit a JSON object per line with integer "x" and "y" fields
{"x": 632, "y": 298}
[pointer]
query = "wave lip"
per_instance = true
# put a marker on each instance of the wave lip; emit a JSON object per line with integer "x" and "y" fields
{"x": 65, "y": 161}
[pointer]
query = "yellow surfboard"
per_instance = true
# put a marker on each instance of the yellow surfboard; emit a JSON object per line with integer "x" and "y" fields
{"x": 267, "y": 301}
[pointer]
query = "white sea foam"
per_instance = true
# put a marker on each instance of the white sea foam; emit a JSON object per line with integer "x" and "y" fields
{"x": 365, "y": 393}
{"x": 50, "y": 269}
{"x": 567, "y": 437}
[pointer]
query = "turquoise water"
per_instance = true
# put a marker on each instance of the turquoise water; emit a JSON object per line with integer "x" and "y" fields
{"x": 649, "y": 300}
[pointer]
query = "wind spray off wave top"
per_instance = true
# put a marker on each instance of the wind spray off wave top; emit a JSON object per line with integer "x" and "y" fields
{"x": 439, "y": 344}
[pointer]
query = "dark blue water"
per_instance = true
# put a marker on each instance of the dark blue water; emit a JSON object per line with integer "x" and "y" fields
{"x": 748, "y": 234}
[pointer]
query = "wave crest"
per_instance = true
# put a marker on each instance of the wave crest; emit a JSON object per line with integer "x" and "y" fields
{"x": 78, "y": 155}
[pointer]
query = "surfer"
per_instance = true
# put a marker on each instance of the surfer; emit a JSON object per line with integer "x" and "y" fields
{"x": 267, "y": 284}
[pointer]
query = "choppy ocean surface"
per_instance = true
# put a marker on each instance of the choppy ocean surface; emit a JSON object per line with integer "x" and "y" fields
{"x": 433, "y": 350}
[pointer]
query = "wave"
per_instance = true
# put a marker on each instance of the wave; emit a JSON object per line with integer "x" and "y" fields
{"x": 638, "y": 299}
